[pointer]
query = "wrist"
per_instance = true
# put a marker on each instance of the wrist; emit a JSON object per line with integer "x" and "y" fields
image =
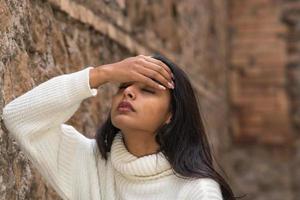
{"x": 98, "y": 76}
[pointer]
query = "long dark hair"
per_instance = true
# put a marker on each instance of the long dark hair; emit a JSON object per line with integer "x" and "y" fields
{"x": 183, "y": 141}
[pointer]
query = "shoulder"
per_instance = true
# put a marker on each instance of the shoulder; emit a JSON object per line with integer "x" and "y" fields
{"x": 204, "y": 189}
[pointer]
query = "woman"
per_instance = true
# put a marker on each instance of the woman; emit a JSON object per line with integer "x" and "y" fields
{"x": 152, "y": 145}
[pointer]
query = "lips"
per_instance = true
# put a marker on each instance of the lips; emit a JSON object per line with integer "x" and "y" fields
{"x": 125, "y": 105}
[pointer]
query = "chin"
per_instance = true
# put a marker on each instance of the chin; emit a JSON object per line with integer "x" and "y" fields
{"x": 122, "y": 121}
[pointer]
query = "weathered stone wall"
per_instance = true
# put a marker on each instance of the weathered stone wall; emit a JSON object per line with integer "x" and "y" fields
{"x": 257, "y": 75}
{"x": 263, "y": 85}
{"x": 37, "y": 43}
{"x": 40, "y": 39}
{"x": 291, "y": 18}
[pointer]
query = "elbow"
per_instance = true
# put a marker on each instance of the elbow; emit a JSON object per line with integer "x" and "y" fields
{"x": 8, "y": 118}
{"x": 5, "y": 117}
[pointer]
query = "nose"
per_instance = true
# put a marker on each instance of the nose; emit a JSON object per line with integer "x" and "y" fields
{"x": 128, "y": 92}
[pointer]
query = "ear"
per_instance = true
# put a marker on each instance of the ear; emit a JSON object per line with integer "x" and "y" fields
{"x": 168, "y": 120}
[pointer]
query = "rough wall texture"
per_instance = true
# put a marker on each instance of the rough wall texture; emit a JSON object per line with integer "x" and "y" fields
{"x": 291, "y": 18}
{"x": 37, "y": 43}
{"x": 264, "y": 96}
{"x": 40, "y": 39}
{"x": 254, "y": 134}
{"x": 257, "y": 72}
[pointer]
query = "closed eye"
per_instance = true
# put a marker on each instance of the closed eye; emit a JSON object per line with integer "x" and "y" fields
{"x": 146, "y": 90}
{"x": 121, "y": 86}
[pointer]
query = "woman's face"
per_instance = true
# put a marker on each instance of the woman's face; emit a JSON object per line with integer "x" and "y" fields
{"x": 151, "y": 107}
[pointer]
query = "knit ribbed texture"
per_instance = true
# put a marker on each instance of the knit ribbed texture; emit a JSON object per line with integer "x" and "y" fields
{"x": 144, "y": 168}
{"x": 72, "y": 164}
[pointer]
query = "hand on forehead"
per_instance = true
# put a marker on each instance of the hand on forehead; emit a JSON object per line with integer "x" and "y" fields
{"x": 138, "y": 82}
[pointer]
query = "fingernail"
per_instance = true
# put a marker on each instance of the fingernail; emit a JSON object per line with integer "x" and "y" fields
{"x": 170, "y": 85}
{"x": 161, "y": 87}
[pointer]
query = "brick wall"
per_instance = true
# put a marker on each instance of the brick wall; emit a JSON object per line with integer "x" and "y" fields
{"x": 42, "y": 39}
{"x": 291, "y": 18}
{"x": 260, "y": 107}
{"x": 263, "y": 102}
{"x": 241, "y": 56}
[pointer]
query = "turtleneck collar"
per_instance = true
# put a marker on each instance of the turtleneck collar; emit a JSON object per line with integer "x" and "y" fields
{"x": 148, "y": 167}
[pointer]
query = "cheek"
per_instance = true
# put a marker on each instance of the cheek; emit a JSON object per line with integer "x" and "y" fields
{"x": 114, "y": 101}
{"x": 154, "y": 112}
{"x": 152, "y": 109}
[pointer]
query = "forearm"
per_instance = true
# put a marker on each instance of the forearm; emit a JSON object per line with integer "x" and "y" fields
{"x": 47, "y": 104}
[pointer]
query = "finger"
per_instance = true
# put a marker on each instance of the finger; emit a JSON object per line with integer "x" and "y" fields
{"x": 155, "y": 75}
{"x": 158, "y": 62}
{"x": 157, "y": 68}
{"x": 148, "y": 81}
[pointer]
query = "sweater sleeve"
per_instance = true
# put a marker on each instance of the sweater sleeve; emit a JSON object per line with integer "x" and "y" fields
{"x": 205, "y": 189}
{"x": 36, "y": 121}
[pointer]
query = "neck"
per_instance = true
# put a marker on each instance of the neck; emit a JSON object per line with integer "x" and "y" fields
{"x": 140, "y": 143}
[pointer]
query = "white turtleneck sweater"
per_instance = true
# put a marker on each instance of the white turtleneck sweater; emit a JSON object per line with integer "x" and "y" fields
{"x": 71, "y": 163}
